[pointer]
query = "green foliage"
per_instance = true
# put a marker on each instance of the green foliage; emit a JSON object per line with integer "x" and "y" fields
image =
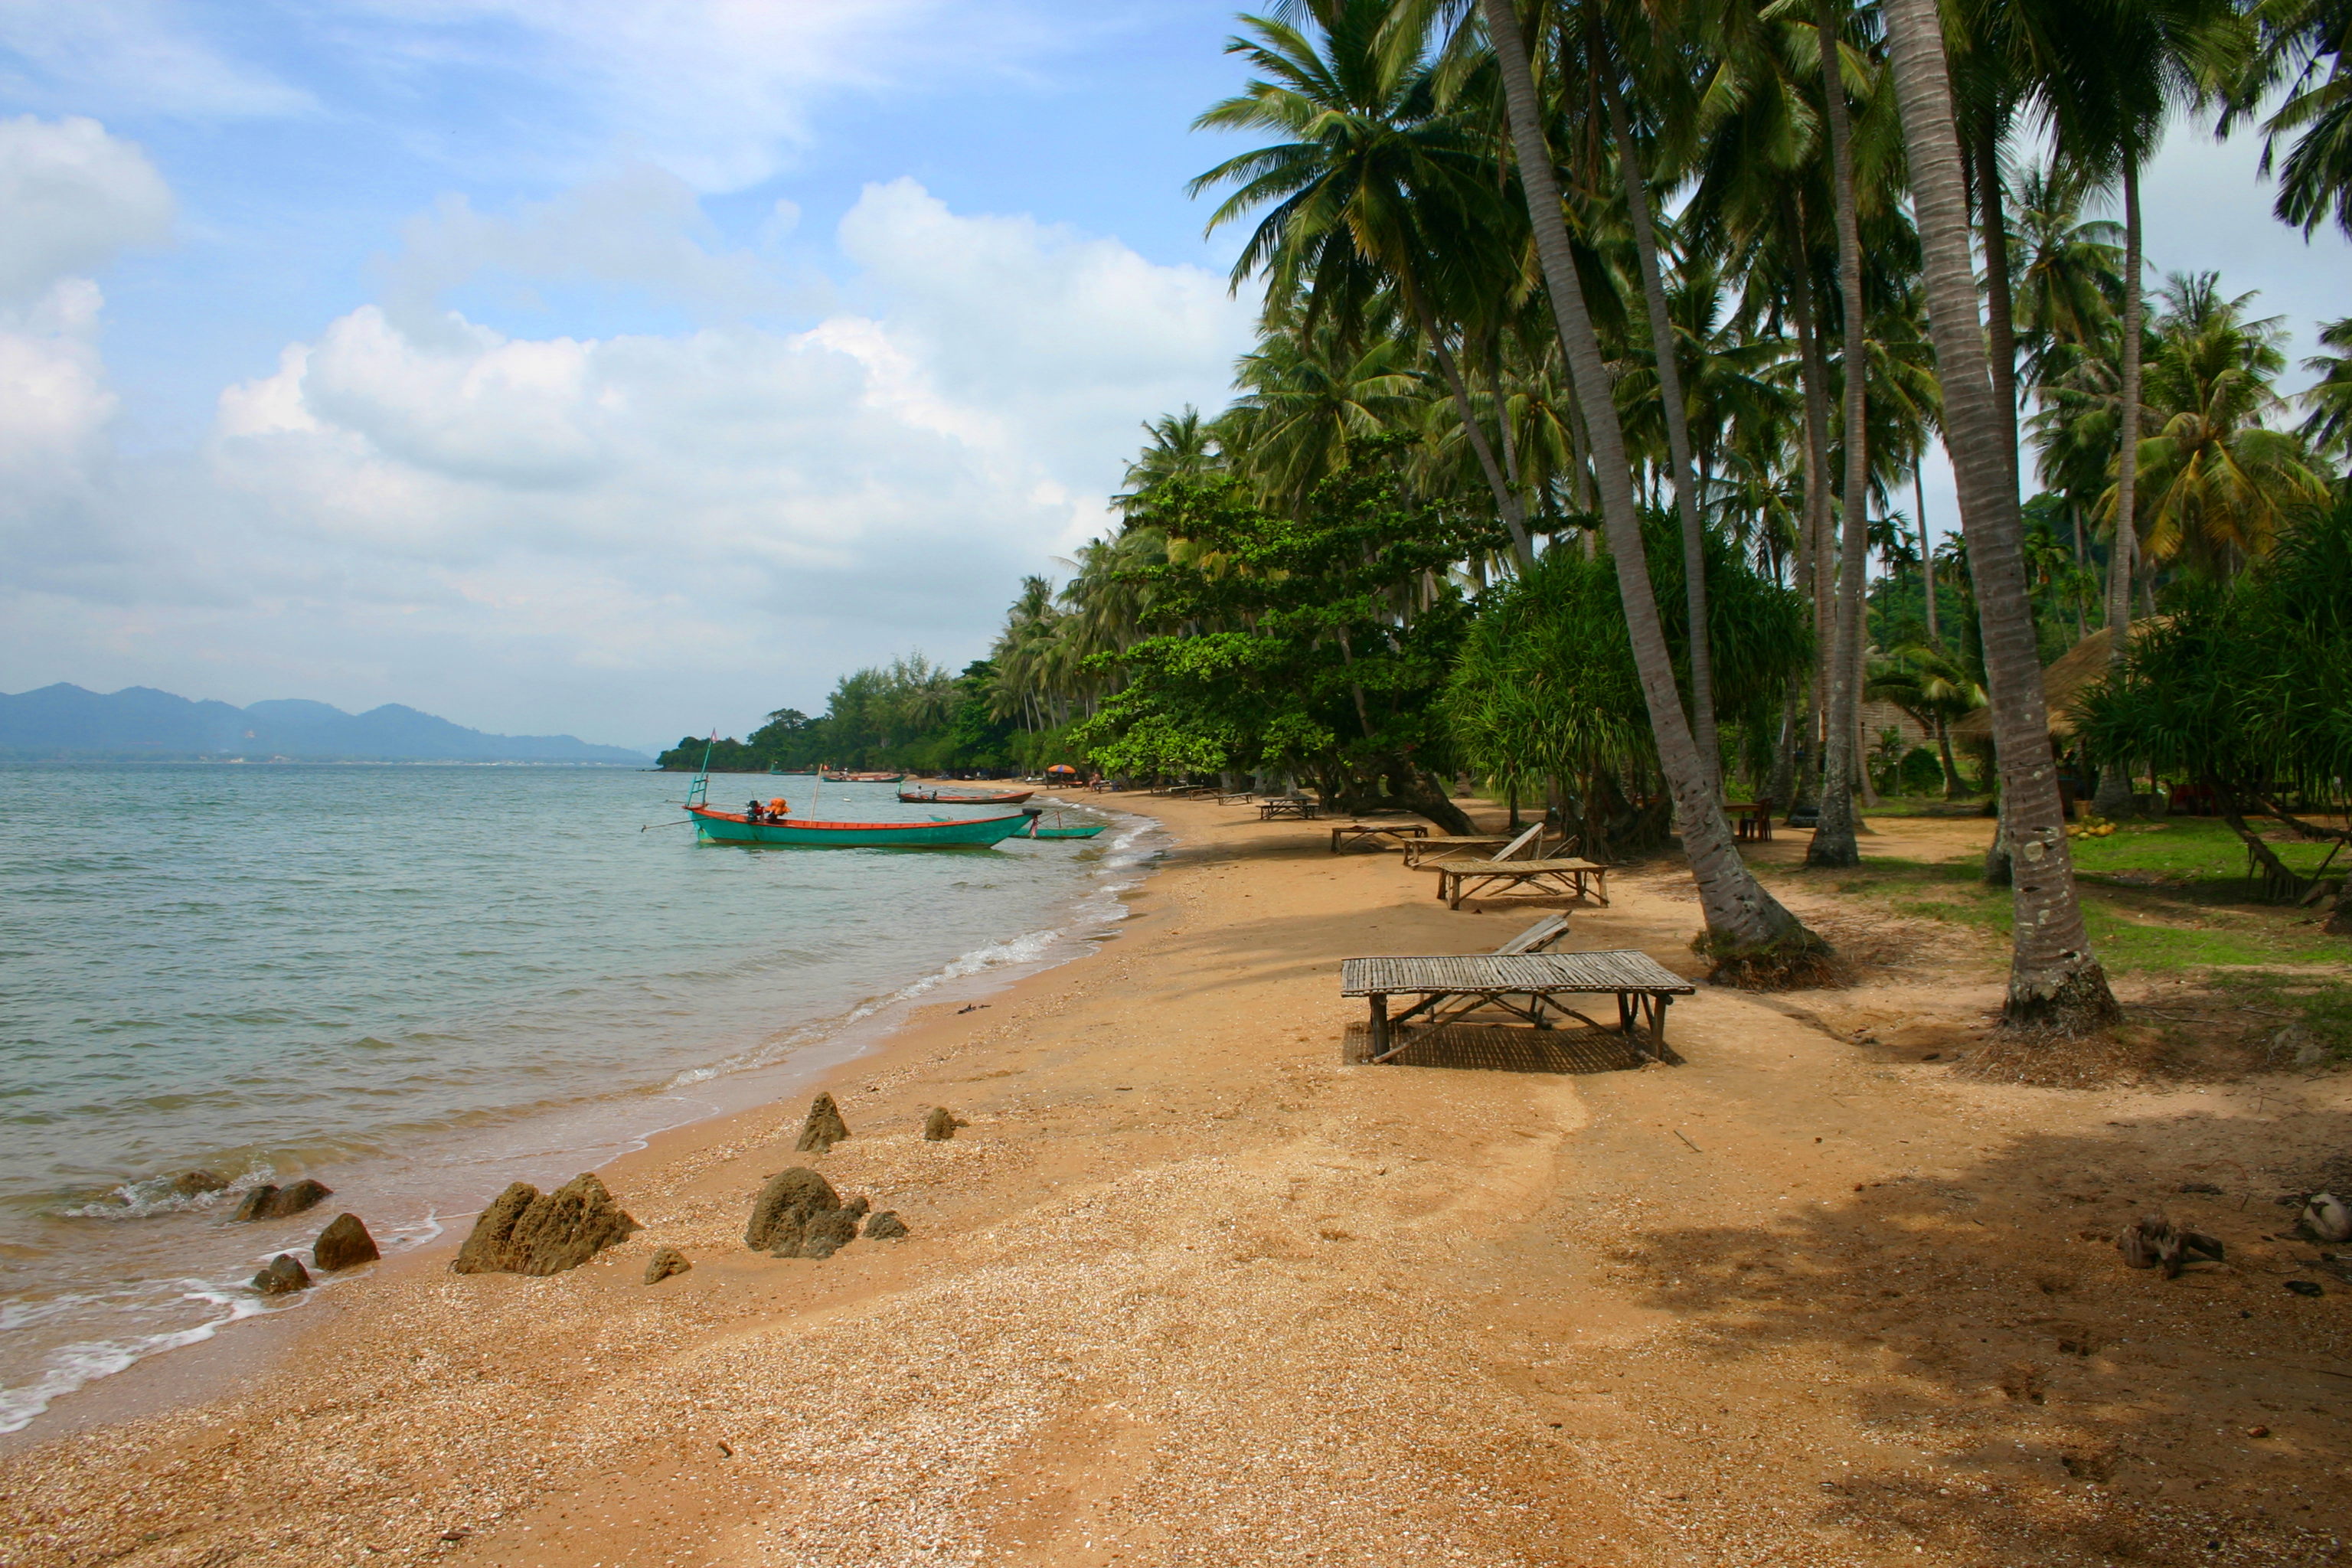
{"x": 2247, "y": 684}
{"x": 1311, "y": 645}
{"x": 907, "y": 713}
{"x": 1546, "y": 688}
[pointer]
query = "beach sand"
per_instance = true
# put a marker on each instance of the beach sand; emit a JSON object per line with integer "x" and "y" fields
{"x": 1188, "y": 1289}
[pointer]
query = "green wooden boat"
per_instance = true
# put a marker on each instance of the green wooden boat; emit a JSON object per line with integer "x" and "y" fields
{"x": 734, "y": 827}
{"x": 1037, "y": 829}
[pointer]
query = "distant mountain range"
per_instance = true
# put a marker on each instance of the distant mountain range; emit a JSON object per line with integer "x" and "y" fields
{"x": 63, "y": 723}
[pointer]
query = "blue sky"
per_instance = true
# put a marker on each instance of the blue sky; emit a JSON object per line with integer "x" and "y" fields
{"x": 627, "y": 368}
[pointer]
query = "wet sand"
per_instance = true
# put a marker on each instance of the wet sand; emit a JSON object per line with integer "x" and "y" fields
{"x": 1189, "y": 1290}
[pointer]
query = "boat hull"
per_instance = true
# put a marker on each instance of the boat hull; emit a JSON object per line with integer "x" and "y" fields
{"x": 1038, "y": 830}
{"x": 730, "y": 827}
{"x": 938, "y": 797}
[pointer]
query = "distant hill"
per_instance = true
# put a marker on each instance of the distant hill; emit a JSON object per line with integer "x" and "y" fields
{"x": 61, "y": 722}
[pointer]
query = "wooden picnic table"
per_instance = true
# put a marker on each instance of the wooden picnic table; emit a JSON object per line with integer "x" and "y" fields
{"x": 1302, "y": 806}
{"x": 1644, "y": 987}
{"x": 1346, "y": 833}
{"x": 1751, "y": 820}
{"x": 1239, "y": 797}
{"x": 1569, "y": 876}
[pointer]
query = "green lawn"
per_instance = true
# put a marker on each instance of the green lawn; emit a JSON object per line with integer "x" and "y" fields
{"x": 2160, "y": 897}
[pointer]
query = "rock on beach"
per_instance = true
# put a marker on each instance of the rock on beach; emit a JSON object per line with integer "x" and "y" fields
{"x": 665, "y": 1262}
{"x": 940, "y": 1124}
{"x": 824, "y": 1128}
{"x": 268, "y": 1202}
{"x": 344, "y": 1244}
{"x": 527, "y": 1231}
{"x": 798, "y": 1215}
{"x": 283, "y": 1277}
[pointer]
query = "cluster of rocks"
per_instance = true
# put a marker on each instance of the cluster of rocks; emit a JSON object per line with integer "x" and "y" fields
{"x": 798, "y": 1215}
{"x": 267, "y": 1202}
{"x": 344, "y": 1244}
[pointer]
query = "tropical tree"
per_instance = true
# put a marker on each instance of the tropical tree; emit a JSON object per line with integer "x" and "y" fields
{"x": 2215, "y": 483}
{"x": 2305, "y": 48}
{"x": 1378, "y": 187}
{"x": 2327, "y": 426}
{"x": 2055, "y": 979}
{"x": 1747, "y": 927}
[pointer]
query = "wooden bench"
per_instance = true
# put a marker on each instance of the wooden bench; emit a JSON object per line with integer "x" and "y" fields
{"x": 1300, "y": 806}
{"x": 1351, "y": 832}
{"x": 1750, "y": 819}
{"x": 1528, "y": 985}
{"x": 1567, "y": 877}
{"x": 1242, "y": 797}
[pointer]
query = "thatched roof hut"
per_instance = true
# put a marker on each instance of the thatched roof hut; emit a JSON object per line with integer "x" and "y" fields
{"x": 2075, "y": 668}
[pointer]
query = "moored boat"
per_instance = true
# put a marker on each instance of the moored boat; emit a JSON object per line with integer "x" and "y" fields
{"x": 960, "y": 798}
{"x": 861, "y": 778}
{"x": 1060, "y": 827}
{"x": 735, "y": 827}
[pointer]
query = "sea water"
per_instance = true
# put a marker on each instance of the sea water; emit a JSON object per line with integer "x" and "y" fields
{"x": 416, "y": 984}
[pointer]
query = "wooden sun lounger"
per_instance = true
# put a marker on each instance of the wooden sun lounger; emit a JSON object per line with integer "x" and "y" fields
{"x": 1567, "y": 877}
{"x": 1430, "y": 852}
{"x": 1345, "y": 834}
{"x": 1302, "y": 808}
{"x": 1528, "y": 985}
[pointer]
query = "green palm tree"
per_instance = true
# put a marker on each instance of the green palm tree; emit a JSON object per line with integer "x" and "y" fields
{"x": 1377, "y": 184}
{"x": 1306, "y": 395}
{"x": 2055, "y": 979}
{"x": 2305, "y": 48}
{"x": 1182, "y": 446}
{"x": 2215, "y": 483}
{"x": 2327, "y": 427}
{"x": 1930, "y": 686}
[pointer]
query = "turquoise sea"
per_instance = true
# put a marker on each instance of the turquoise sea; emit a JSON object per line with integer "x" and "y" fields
{"x": 416, "y": 984}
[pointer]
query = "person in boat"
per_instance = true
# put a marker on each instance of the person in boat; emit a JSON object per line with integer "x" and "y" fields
{"x": 751, "y": 812}
{"x": 779, "y": 809}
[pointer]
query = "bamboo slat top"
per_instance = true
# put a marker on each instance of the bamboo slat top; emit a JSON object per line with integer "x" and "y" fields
{"x": 1513, "y": 868}
{"x": 1510, "y": 971}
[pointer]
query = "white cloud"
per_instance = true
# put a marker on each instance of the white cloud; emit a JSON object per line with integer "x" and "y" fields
{"x": 600, "y": 533}
{"x": 74, "y": 195}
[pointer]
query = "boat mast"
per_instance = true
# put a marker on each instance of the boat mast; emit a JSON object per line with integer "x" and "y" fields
{"x": 699, "y": 792}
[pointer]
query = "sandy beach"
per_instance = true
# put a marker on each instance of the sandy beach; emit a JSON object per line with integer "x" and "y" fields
{"x": 1188, "y": 1289}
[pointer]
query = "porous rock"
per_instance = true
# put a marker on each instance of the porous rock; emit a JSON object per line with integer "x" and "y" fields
{"x": 824, "y": 1128}
{"x": 828, "y": 1232}
{"x": 267, "y": 1202}
{"x": 665, "y": 1262}
{"x": 196, "y": 1184}
{"x": 526, "y": 1231}
{"x": 344, "y": 1244}
{"x": 284, "y": 1276}
{"x": 941, "y": 1124}
{"x": 781, "y": 1214}
{"x": 885, "y": 1225}
{"x": 857, "y": 1207}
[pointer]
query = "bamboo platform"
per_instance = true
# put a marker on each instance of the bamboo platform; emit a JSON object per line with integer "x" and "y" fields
{"x": 1529, "y": 986}
{"x": 1496, "y": 1048}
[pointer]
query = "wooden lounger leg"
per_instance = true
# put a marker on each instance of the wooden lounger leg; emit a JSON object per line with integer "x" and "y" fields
{"x": 1379, "y": 1028}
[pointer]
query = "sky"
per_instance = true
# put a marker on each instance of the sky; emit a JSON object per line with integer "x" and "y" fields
{"x": 628, "y": 368}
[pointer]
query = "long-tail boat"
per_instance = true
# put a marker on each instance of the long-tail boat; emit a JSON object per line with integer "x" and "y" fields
{"x": 964, "y": 797}
{"x": 1060, "y": 829}
{"x": 861, "y": 778}
{"x": 735, "y": 827}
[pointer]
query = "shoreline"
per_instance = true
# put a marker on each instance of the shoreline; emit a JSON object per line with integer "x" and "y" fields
{"x": 592, "y": 1132}
{"x": 1189, "y": 1290}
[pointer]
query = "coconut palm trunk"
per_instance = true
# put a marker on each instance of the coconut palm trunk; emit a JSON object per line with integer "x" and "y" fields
{"x": 1749, "y": 930}
{"x": 1506, "y": 497}
{"x": 2055, "y": 981}
{"x": 2113, "y": 798}
{"x": 1679, "y": 442}
{"x": 1812, "y": 551}
{"x": 1834, "y": 832}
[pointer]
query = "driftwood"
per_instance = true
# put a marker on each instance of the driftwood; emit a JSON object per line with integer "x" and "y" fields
{"x": 2153, "y": 1241}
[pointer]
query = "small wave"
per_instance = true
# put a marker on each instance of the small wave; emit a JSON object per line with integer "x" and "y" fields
{"x": 153, "y": 1197}
{"x": 73, "y": 1366}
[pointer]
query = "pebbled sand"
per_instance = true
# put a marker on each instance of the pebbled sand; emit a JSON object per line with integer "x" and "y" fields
{"x": 1187, "y": 1291}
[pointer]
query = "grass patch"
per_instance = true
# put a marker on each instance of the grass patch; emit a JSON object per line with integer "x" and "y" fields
{"x": 2178, "y": 920}
{"x": 2193, "y": 853}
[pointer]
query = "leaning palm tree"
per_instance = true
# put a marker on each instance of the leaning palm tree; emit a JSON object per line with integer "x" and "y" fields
{"x": 2054, "y": 980}
{"x": 2305, "y": 48}
{"x": 1748, "y": 929}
